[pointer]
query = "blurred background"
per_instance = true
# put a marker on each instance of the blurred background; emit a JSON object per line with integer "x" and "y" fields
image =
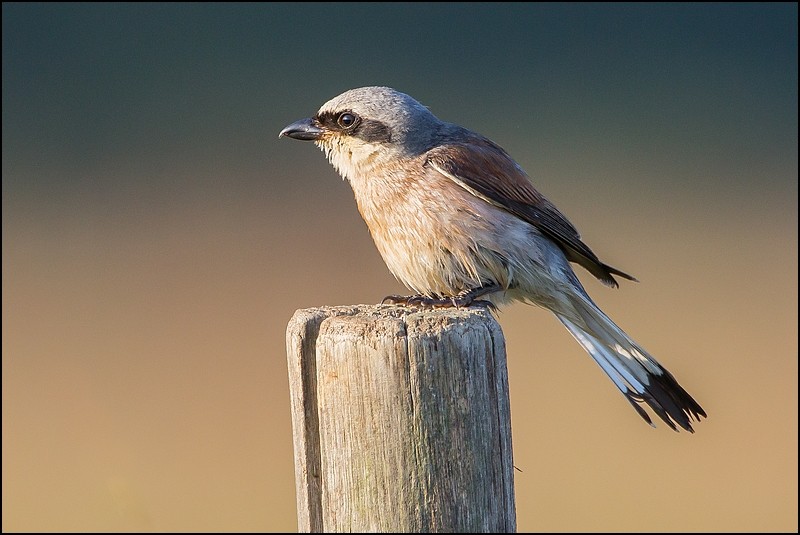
{"x": 157, "y": 237}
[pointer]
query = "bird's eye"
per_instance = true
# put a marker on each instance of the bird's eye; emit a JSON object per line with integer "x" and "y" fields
{"x": 347, "y": 120}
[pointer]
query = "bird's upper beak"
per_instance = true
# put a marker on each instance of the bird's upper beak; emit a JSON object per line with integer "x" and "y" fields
{"x": 304, "y": 130}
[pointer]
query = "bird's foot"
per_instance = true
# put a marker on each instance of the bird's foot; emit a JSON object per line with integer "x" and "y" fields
{"x": 460, "y": 300}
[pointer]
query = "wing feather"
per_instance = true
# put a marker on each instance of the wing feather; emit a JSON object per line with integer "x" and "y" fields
{"x": 487, "y": 171}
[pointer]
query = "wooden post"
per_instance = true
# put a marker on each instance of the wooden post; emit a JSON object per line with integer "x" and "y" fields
{"x": 401, "y": 420}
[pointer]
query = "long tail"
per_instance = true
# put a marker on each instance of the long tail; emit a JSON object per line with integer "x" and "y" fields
{"x": 637, "y": 374}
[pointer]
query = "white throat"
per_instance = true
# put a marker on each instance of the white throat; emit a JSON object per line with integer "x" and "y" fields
{"x": 352, "y": 160}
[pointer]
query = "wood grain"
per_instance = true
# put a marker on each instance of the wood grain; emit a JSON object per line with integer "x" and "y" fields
{"x": 401, "y": 420}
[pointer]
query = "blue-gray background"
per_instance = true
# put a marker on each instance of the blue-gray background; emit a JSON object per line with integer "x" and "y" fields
{"x": 157, "y": 236}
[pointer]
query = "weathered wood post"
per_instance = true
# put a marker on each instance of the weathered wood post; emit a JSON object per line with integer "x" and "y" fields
{"x": 401, "y": 420}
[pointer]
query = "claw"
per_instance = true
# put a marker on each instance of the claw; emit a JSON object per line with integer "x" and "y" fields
{"x": 396, "y": 299}
{"x": 484, "y": 303}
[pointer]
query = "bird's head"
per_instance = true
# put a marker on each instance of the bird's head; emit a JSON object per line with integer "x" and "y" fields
{"x": 368, "y": 126}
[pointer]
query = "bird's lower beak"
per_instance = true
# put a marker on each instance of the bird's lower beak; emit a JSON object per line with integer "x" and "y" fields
{"x": 304, "y": 130}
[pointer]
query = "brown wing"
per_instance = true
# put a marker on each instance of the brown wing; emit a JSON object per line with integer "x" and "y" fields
{"x": 487, "y": 171}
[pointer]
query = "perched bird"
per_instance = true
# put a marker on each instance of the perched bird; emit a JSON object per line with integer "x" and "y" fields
{"x": 457, "y": 220}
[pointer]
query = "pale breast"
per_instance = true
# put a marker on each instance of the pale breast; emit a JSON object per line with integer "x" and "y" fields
{"x": 435, "y": 237}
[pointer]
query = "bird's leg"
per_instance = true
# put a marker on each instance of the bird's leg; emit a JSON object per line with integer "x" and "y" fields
{"x": 470, "y": 297}
{"x": 462, "y": 299}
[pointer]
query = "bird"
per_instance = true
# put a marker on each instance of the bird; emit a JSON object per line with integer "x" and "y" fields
{"x": 460, "y": 223}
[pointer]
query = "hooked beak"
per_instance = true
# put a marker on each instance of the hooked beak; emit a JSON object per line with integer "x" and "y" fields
{"x": 304, "y": 130}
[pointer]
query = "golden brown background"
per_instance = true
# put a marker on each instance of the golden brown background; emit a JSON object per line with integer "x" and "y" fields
{"x": 157, "y": 237}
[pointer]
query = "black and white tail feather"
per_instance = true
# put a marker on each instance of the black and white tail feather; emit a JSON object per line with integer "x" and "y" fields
{"x": 637, "y": 374}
